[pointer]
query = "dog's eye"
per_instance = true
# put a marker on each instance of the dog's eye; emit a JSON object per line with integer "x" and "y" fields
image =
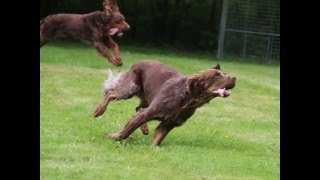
{"x": 217, "y": 74}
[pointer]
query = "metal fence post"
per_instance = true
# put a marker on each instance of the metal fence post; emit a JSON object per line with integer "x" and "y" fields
{"x": 268, "y": 50}
{"x": 222, "y": 30}
{"x": 244, "y": 55}
{"x": 250, "y": 29}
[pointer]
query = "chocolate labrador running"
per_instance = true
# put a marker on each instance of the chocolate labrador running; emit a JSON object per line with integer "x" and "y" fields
{"x": 166, "y": 95}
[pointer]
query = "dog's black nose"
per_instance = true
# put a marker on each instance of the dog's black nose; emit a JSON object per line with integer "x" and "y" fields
{"x": 234, "y": 78}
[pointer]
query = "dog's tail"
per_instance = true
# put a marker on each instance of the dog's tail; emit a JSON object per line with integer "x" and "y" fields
{"x": 111, "y": 82}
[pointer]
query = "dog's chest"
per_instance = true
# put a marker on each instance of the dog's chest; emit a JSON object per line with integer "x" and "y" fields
{"x": 180, "y": 116}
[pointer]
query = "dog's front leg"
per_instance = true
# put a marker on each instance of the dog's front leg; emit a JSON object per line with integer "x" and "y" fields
{"x": 115, "y": 48}
{"x": 162, "y": 130}
{"x": 103, "y": 51}
{"x": 139, "y": 119}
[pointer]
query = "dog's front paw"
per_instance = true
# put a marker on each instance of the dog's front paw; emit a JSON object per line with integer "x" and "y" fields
{"x": 119, "y": 59}
{"x": 99, "y": 111}
{"x": 117, "y": 63}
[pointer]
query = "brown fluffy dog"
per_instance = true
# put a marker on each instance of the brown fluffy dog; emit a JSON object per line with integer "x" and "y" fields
{"x": 166, "y": 95}
{"x": 96, "y": 27}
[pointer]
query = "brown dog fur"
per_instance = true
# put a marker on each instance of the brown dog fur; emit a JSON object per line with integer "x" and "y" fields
{"x": 94, "y": 27}
{"x": 166, "y": 95}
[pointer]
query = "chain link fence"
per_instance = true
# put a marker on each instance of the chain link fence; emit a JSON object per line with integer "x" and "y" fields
{"x": 250, "y": 29}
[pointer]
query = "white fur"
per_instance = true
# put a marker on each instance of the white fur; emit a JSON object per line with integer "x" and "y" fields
{"x": 111, "y": 82}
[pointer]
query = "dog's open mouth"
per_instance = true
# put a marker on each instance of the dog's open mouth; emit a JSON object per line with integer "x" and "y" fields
{"x": 222, "y": 92}
{"x": 114, "y": 31}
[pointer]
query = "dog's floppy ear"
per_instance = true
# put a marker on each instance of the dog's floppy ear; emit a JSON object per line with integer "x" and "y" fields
{"x": 217, "y": 67}
{"x": 194, "y": 85}
{"x": 104, "y": 19}
{"x": 100, "y": 19}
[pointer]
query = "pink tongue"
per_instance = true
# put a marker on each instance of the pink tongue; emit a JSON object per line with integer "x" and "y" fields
{"x": 113, "y": 31}
{"x": 220, "y": 91}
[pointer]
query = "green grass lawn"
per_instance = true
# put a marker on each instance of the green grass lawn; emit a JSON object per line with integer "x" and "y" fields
{"x": 233, "y": 138}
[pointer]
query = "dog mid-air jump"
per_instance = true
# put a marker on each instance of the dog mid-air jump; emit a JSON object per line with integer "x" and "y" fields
{"x": 166, "y": 95}
{"x": 97, "y": 27}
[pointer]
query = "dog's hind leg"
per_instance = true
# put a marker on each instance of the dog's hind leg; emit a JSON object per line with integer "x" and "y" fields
{"x": 116, "y": 88}
{"x": 43, "y": 40}
{"x": 47, "y": 31}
